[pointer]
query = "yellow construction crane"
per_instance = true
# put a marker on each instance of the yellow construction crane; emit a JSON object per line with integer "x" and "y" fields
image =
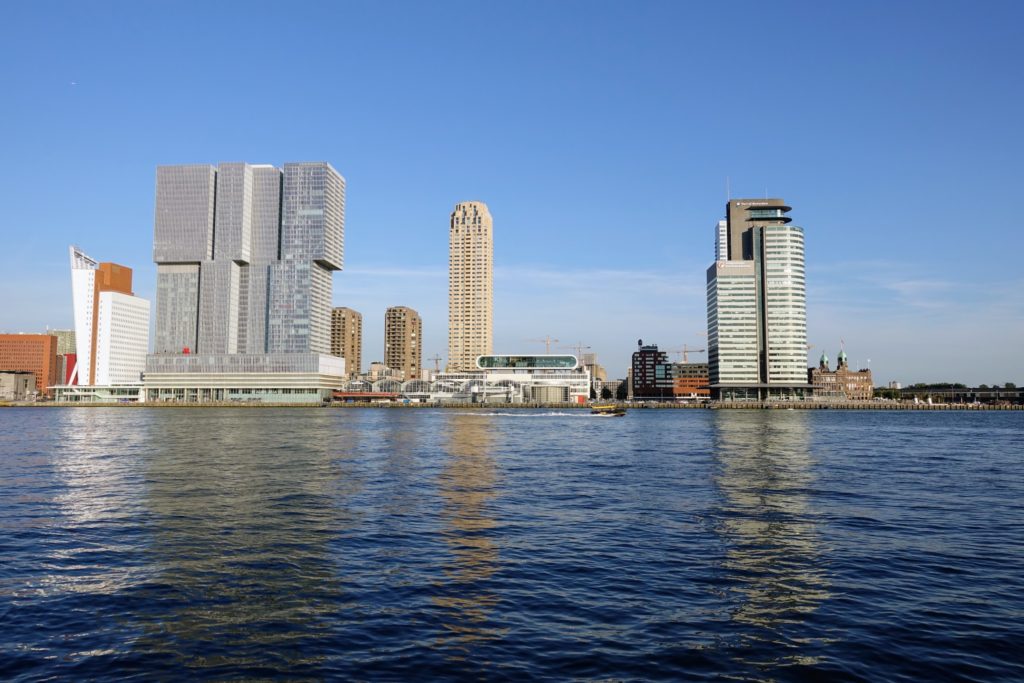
{"x": 546, "y": 341}
{"x": 685, "y": 351}
{"x": 578, "y": 348}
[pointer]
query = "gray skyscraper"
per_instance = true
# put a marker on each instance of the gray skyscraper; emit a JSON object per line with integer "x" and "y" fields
{"x": 245, "y": 256}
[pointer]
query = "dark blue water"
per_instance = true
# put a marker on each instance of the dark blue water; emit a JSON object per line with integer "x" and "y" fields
{"x": 422, "y": 544}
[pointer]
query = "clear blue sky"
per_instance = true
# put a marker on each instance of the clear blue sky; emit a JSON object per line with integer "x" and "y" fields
{"x": 600, "y": 134}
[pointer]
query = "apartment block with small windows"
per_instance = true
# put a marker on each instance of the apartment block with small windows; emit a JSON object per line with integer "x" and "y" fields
{"x": 470, "y": 285}
{"x": 403, "y": 341}
{"x": 347, "y": 338}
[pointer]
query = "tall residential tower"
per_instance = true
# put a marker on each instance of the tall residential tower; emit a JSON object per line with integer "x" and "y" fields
{"x": 403, "y": 341}
{"x": 470, "y": 286}
{"x": 347, "y": 338}
{"x": 757, "y": 308}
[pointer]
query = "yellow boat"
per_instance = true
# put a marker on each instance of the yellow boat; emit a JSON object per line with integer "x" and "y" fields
{"x": 608, "y": 410}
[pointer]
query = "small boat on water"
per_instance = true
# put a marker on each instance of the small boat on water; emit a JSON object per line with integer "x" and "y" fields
{"x": 607, "y": 410}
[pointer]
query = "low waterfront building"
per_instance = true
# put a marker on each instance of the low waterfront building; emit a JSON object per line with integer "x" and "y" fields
{"x": 690, "y": 381}
{"x": 17, "y": 385}
{"x": 842, "y": 384}
{"x": 613, "y": 386}
{"x": 548, "y": 378}
{"x": 121, "y": 393}
{"x": 35, "y": 353}
{"x": 237, "y": 377}
{"x": 378, "y": 371}
{"x": 960, "y": 394}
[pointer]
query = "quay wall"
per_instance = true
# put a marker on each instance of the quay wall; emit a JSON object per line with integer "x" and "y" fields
{"x": 723, "y": 405}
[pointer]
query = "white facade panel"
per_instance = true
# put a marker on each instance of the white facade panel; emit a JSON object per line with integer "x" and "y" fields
{"x": 83, "y": 285}
{"x": 785, "y": 301}
{"x": 122, "y": 338}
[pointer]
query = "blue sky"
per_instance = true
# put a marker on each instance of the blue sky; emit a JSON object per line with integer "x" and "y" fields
{"x": 600, "y": 135}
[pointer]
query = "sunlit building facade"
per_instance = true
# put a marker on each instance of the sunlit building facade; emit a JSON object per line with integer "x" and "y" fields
{"x": 35, "y": 353}
{"x": 841, "y": 384}
{"x": 756, "y": 303}
{"x": 111, "y": 324}
{"x": 403, "y": 341}
{"x": 245, "y": 258}
{"x": 347, "y": 338}
{"x": 470, "y": 285}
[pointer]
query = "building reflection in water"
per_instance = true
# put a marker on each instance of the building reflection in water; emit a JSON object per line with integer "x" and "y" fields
{"x": 99, "y": 468}
{"x": 467, "y": 485}
{"x": 774, "y": 563}
{"x": 241, "y": 536}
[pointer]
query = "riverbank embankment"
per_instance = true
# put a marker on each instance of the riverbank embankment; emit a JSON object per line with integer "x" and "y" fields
{"x": 484, "y": 407}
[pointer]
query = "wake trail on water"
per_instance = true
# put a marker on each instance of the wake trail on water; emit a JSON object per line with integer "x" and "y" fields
{"x": 519, "y": 414}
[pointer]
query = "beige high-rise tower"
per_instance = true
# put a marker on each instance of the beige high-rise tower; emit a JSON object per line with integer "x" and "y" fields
{"x": 403, "y": 341}
{"x": 347, "y": 338}
{"x": 470, "y": 286}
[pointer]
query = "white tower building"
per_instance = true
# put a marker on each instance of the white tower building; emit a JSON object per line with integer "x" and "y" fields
{"x": 111, "y": 323}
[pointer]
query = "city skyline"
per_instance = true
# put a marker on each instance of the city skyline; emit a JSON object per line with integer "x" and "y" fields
{"x": 604, "y": 153}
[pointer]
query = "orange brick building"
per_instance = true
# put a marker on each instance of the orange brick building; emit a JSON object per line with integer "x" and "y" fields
{"x": 35, "y": 353}
{"x": 690, "y": 380}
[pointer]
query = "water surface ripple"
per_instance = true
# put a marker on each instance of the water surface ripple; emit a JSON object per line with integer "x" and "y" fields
{"x": 436, "y": 544}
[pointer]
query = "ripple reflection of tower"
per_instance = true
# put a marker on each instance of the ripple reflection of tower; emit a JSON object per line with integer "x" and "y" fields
{"x": 774, "y": 556}
{"x": 467, "y": 485}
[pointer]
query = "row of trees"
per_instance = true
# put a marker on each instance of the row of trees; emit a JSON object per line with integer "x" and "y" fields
{"x": 947, "y": 386}
{"x": 885, "y": 392}
{"x": 606, "y": 393}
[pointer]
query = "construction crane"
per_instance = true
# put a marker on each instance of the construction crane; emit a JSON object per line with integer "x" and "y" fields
{"x": 546, "y": 341}
{"x": 437, "y": 362}
{"x": 685, "y": 351}
{"x": 578, "y": 348}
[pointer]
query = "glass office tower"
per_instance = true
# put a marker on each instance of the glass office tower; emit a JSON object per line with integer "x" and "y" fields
{"x": 245, "y": 256}
{"x": 757, "y": 304}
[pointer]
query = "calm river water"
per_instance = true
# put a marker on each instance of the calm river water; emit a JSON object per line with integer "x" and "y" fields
{"x": 439, "y": 544}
